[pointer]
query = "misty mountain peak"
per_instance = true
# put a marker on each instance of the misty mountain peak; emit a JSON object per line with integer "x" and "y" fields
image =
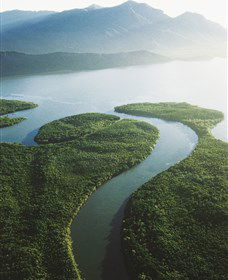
{"x": 133, "y": 4}
{"x": 144, "y": 10}
{"x": 93, "y": 7}
{"x": 130, "y": 3}
{"x": 191, "y": 16}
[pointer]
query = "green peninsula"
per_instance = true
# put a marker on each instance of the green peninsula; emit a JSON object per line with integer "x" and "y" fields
{"x": 5, "y": 121}
{"x": 43, "y": 188}
{"x": 175, "y": 225}
{"x": 11, "y": 106}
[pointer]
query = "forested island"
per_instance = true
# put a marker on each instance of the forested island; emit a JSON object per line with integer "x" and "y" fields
{"x": 175, "y": 225}
{"x": 43, "y": 188}
{"x": 11, "y": 106}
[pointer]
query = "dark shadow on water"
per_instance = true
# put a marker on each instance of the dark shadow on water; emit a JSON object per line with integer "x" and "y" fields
{"x": 113, "y": 267}
{"x": 29, "y": 139}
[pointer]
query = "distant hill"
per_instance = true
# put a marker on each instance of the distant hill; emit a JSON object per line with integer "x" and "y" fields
{"x": 14, "y": 63}
{"x": 127, "y": 27}
{"x": 13, "y": 18}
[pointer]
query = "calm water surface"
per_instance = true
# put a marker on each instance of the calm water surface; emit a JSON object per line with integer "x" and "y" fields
{"x": 200, "y": 82}
{"x": 96, "y": 230}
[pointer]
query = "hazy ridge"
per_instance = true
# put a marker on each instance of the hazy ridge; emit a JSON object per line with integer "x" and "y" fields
{"x": 14, "y": 63}
{"x": 130, "y": 26}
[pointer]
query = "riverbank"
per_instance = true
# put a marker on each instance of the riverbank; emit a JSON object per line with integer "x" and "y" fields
{"x": 44, "y": 187}
{"x": 174, "y": 226}
{"x": 96, "y": 229}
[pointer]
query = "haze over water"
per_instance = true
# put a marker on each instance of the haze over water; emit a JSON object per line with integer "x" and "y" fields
{"x": 201, "y": 83}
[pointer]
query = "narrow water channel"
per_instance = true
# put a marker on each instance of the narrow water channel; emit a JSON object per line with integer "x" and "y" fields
{"x": 96, "y": 229}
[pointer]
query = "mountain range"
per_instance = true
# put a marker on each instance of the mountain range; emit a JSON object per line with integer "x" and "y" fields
{"x": 10, "y": 19}
{"x": 128, "y": 27}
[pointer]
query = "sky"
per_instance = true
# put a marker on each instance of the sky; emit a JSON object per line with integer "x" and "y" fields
{"x": 214, "y": 10}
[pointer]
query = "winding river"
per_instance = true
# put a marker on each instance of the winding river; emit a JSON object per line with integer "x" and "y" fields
{"x": 96, "y": 229}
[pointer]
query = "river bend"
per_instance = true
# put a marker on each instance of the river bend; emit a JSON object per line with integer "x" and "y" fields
{"x": 96, "y": 228}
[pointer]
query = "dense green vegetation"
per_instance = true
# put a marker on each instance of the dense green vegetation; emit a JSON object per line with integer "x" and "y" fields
{"x": 73, "y": 127}
{"x": 4, "y": 121}
{"x": 11, "y": 106}
{"x": 199, "y": 119}
{"x": 175, "y": 225}
{"x": 42, "y": 189}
